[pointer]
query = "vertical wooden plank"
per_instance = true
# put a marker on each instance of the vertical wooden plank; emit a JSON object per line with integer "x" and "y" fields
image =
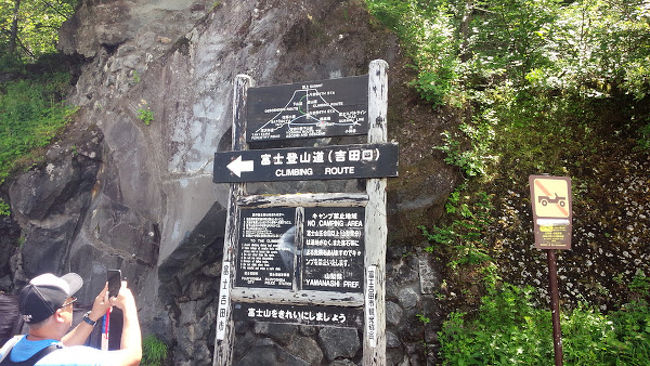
{"x": 224, "y": 341}
{"x": 300, "y": 242}
{"x": 374, "y": 347}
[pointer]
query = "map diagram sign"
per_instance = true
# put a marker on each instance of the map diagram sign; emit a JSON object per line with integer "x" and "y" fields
{"x": 551, "y": 203}
{"x": 312, "y": 109}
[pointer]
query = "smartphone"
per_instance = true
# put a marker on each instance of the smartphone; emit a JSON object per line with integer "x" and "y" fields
{"x": 114, "y": 278}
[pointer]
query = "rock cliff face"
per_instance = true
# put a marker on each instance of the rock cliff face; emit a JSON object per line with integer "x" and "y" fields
{"x": 122, "y": 190}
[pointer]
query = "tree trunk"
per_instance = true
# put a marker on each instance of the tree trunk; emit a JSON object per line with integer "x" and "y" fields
{"x": 463, "y": 30}
{"x": 13, "y": 37}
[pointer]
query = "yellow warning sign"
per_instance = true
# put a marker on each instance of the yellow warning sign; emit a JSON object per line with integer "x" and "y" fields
{"x": 551, "y": 196}
{"x": 551, "y": 201}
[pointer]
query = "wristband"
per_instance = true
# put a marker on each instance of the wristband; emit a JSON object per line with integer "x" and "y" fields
{"x": 87, "y": 319}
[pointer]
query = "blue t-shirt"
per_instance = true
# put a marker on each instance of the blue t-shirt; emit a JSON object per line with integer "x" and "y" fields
{"x": 67, "y": 356}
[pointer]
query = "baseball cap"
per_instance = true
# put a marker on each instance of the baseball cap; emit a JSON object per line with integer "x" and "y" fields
{"x": 45, "y": 293}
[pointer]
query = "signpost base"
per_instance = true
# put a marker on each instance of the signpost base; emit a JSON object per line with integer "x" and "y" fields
{"x": 555, "y": 305}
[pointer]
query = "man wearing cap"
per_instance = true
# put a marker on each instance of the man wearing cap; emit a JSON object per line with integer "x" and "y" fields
{"x": 46, "y": 304}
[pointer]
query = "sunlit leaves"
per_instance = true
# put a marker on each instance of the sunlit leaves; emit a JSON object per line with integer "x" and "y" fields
{"x": 598, "y": 47}
{"x": 37, "y": 27}
{"x": 30, "y": 116}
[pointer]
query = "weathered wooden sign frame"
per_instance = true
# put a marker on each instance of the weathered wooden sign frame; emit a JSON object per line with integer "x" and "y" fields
{"x": 375, "y": 233}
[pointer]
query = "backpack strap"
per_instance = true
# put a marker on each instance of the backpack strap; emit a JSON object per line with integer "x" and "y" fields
{"x": 6, "y": 348}
{"x": 32, "y": 360}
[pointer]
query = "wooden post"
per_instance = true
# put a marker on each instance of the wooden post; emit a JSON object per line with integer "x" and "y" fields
{"x": 374, "y": 345}
{"x": 224, "y": 339}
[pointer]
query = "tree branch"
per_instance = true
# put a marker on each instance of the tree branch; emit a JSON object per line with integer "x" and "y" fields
{"x": 56, "y": 10}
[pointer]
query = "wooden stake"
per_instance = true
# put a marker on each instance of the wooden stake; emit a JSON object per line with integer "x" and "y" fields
{"x": 223, "y": 347}
{"x": 374, "y": 340}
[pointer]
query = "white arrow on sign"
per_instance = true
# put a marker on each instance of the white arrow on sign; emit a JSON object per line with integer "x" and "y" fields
{"x": 238, "y": 166}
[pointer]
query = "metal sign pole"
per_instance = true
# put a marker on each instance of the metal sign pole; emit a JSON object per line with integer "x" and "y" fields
{"x": 555, "y": 305}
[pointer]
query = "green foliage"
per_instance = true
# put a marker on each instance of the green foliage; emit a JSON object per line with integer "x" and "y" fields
{"x": 426, "y": 29}
{"x": 640, "y": 284}
{"x": 5, "y": 210}
{"x": 145, "y": 115}
{"x": 470, "y": 216}
{"x": 509, "y": 330}
{"x": 154, "y": 351}
{"x": 541, "y": 82}
{"x": 599, "y": 46}
{"x": 31, "y": 111}
{"x": 519, "y": 64}
{"x": 37, "y": 26}
{"x": 31, "y": 115}
{"x": 480, "y": 134}
{"x": 423, "y": 319}
{"x": 135, "y": 77}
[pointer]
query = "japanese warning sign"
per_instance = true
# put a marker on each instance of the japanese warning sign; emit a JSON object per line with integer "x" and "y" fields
{"x": 333, "y": 251}
{"x": 334, "y": 316}
{"x": 330, "y": 249}
{"x": 551, "y": 202}
{"x": 267, "y": 248}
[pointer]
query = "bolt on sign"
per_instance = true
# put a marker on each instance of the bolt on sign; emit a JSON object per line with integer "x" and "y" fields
{"x": 552, "y": 214}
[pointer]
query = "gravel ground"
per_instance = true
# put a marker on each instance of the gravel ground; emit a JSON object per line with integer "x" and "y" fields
{"x": 610, "y": 239}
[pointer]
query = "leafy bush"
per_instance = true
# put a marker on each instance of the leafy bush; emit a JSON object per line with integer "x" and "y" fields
{"x": 154, "y": 351}
{"x": 31, "y": 114}
{"x": 145, "y": 115}
{"x": 5, "y": 210}
{"x": 470, "y": 216}
{"x": 521, "y": 63}
{"x": 426, "y": 29}
{"x": 509, "y": 330}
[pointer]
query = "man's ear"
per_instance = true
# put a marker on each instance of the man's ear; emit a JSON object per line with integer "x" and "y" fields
{"x": 58, "y": 316}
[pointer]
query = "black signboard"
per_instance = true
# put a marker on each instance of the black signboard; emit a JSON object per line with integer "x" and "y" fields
{"x": 335, "y": 107}
{"x": 266, "y": 248}
{"x": 334, "y": 316}
{"x": 333, "y": 249}
{"x": 307, "y": 163}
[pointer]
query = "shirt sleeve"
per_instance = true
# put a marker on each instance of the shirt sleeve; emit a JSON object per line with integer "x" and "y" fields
{"x": 77, "y": 356}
